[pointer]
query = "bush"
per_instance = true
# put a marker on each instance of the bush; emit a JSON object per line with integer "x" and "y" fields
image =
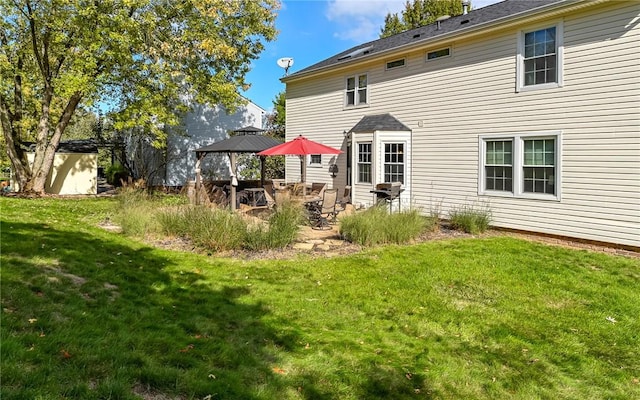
{"x": 377, "y": 226}
{"x": 472, "y": 219}
{"x": 115, "y": 174}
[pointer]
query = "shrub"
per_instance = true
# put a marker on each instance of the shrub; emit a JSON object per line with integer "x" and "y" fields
{"x": 377, "y": 226}
{"x": 471, "y": 218}
{"x": 115, "y": 174}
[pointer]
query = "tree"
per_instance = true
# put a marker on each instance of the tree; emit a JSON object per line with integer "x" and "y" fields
{"x": 148, "y": 60}
{"x": 419, "y": 13}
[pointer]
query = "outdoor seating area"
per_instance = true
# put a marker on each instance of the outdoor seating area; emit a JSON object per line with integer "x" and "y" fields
{"x": 322, "y": 204}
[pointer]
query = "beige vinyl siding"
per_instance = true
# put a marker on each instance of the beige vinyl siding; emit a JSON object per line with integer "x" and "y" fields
{"x": 448, "y": 103}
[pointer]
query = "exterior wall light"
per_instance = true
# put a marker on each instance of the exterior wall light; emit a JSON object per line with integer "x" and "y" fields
{"x": 333, "y": 169}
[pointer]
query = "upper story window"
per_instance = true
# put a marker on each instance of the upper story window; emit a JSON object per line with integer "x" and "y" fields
{"x": 364, "y": 162}
{"x": 540, "y": 58}
{"x": 395, "y": 64}
{"x": 356, "y": 92}
{"x": 526, "y": 165}
{"x": 432, "y": 55}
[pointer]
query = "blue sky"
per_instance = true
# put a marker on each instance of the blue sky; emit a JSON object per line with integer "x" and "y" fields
{"x": 312, "y": 30}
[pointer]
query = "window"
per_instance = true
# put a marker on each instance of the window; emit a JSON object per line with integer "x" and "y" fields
{"x": 356, "y": 93}
{"x": 524, "y": 165}
{"x": 432, "y": 55}
{"x": 364, "y": 162}
{"x": 395, "y": 64}
{"x": 394, "y": 162}
{"x": 315, "y": 159}
{"x": 540, "y": 58}
{"x": 539, "y": 166}
{"x": 498, "y": 165}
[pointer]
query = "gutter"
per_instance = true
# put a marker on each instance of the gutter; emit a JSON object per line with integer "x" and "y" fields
{"x": 489, "y": 26}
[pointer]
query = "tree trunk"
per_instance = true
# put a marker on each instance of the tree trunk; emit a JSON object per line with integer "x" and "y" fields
{"x": 16, "y": 155}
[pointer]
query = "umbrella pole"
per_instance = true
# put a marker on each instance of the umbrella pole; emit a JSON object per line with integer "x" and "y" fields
{"x": 303, "y": 169}
{"x": 262, "y": 159}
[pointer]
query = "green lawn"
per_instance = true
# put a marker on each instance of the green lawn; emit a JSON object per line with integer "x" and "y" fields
{"x": 89, "y": 314}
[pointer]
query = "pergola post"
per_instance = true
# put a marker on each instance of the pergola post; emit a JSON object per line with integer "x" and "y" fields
{"x": 199, "y": 157}
{"x": 233, "y": 180}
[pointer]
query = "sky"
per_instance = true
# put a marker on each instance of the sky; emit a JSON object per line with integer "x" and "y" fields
{"x": 313, "y": 30}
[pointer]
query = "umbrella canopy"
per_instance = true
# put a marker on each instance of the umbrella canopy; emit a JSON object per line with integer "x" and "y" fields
{"x": 300, "y": 146}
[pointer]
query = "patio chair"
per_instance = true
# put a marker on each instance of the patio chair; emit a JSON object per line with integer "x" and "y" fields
{"x": 321, "y": 212}
{"x": 341, "y": 204}
{"x": 268, "y": 195}
{"x": 317, "y": 189}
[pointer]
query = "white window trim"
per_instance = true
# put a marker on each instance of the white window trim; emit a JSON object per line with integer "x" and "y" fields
{"x": 387, "y": 68}
{"x": 520, "y": 87}
{"x": 517, "y": 165}
{"x": 357, "y": 104}
{"x": 371, "y": 163}
{"x": 314, "y": 165}
{"x": 383, "y": 144}
{"x": 426, "y": 54}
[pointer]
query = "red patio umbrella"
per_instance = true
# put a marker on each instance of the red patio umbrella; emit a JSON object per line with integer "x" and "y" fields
{"x": 300, "y": 146}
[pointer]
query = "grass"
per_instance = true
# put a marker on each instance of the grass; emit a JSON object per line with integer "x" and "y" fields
{"x": 213, "y": 229}
{"x": 376, "y": 226}
{"x": 471, "y": 218}
{"x": 89, "y": 314}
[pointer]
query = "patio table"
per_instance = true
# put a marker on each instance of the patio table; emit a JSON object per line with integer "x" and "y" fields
{"x": 255, "y": 196}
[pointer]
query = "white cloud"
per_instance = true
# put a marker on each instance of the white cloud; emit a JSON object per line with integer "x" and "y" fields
{"x": 360, "y": 20}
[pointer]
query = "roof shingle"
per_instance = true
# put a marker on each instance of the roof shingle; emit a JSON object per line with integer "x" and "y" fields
{"x": 425, "y": 33}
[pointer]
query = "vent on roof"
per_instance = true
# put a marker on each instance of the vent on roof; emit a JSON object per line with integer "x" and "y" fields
{"x": 440, "y": 19}
{"x": 466, "y": 21}
{"x": 357, "y": 52}
{"x": 417, "y": 35}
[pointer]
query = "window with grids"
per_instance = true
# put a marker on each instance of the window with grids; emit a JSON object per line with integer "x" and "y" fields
{"x": 498, "y": 169}
{"x": 356, "y": 92}
{"x": 394, "y": 162}
{"x": 524, "y": 165}
{"x": 364, "y": 162}
{"x": 540, "y": 57}
{"x": 539, "y": 166}
{"x": 315, "y": 159}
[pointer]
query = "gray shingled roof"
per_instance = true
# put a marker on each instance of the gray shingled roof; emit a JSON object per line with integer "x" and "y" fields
{"x": 379, "y": 122}
{"x": 240, "y": 144}
{"x": 71, "y": 146}
{"x": 459, "y": 23}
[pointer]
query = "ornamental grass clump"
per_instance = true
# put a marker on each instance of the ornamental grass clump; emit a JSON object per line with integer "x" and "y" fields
{"x": 210, "y": 228}
{"x": 281, "y": 230}
{"x": 136, "y": 212}
{"x": 376, "y": 226}
{"x": 471, "y": 218}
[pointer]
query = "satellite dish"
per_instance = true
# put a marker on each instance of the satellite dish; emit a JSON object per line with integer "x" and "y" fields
{"x": 285, "y": 63}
